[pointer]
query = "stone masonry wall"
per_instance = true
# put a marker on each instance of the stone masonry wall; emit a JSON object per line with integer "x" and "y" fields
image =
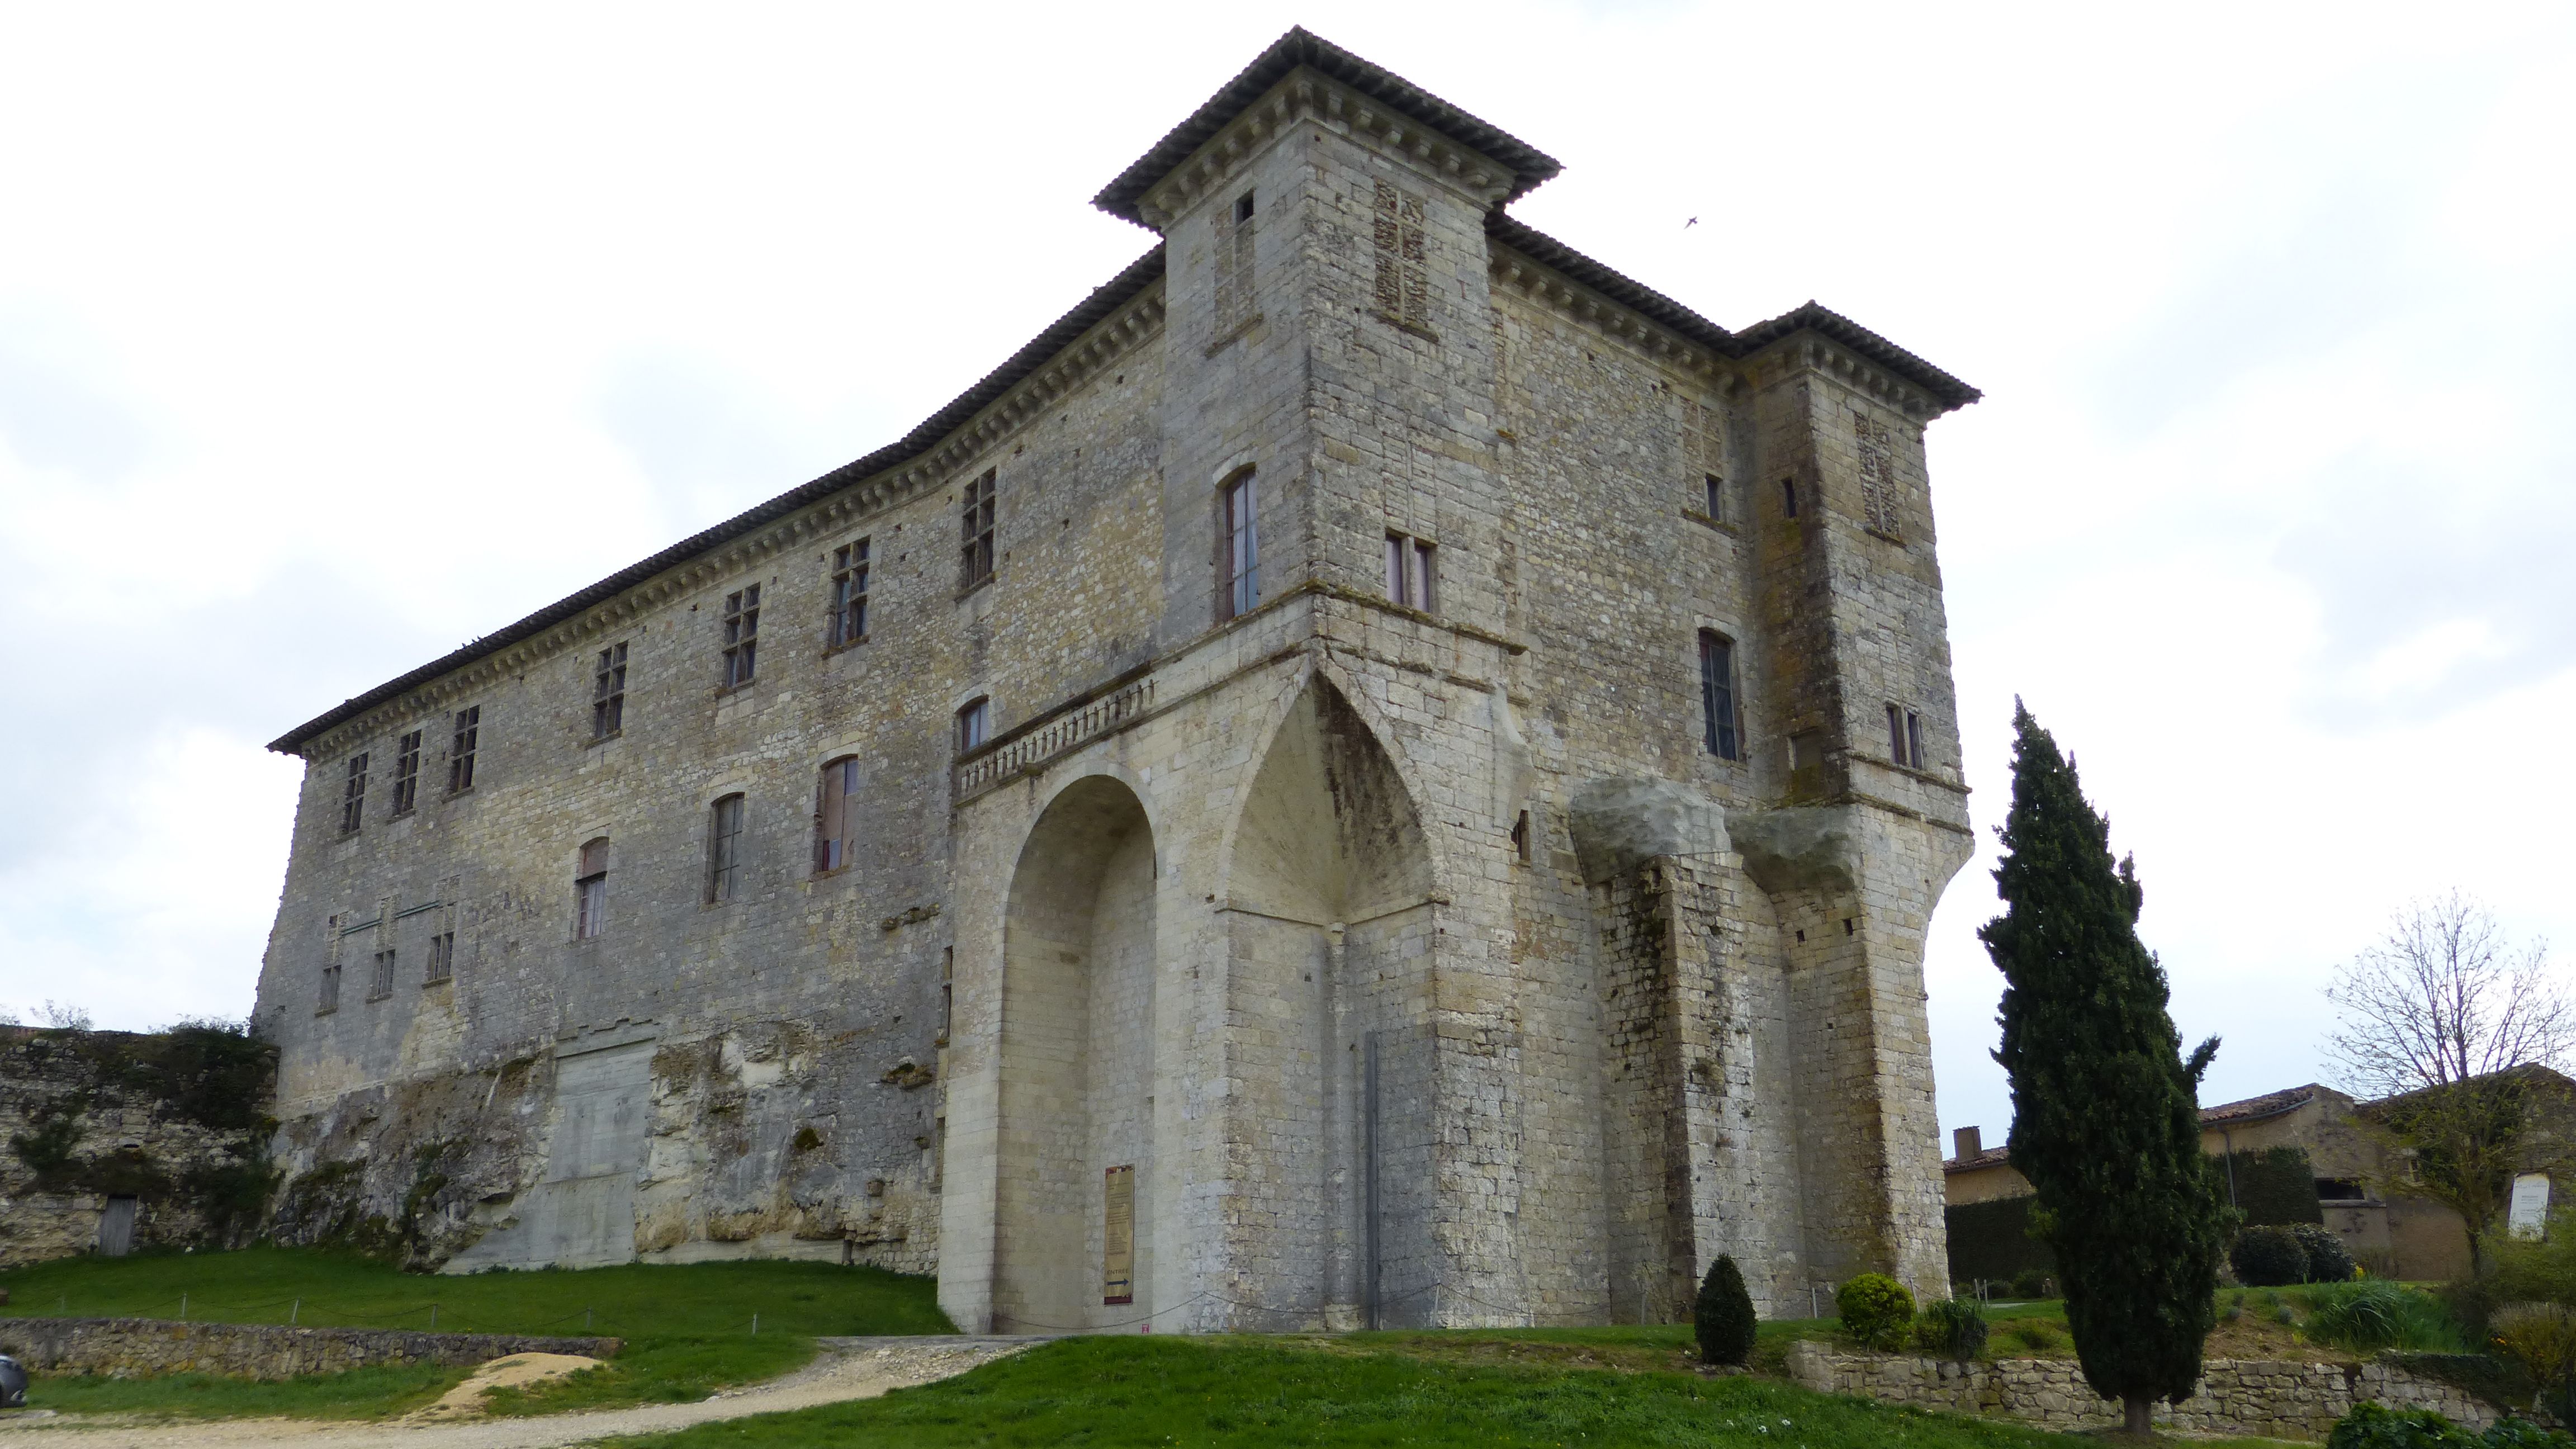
{"x": 2269, "y": 1399}
{"x": 127, "y": 1348}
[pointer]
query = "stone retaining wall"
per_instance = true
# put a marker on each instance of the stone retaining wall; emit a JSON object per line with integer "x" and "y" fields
{"x": 2272, "y": 1399}
{"x": 128, "y": 1348}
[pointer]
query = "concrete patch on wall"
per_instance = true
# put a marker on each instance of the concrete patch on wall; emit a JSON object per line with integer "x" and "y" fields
{"x": 581, "y": 1214}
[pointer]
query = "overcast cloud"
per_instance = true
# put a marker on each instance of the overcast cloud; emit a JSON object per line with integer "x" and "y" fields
{"x": 333, "y": 337}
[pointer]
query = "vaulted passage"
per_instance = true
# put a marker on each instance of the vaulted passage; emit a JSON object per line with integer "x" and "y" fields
{"x": 1074, "y": 1245}
{"x": 1330, "y": 931}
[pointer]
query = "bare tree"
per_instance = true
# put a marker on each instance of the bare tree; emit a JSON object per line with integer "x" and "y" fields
{"x": 2434, "y": 1021}
{"x": 65, "y": 1016}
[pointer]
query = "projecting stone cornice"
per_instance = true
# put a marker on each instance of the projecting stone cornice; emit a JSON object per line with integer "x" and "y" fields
{"x": 1341, "y": 89}
{"x": 1308, "y": 97}
{"x": 1109, "y": 325}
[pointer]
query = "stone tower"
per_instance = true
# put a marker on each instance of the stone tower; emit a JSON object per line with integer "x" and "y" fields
{"x": 1406, "y": 777}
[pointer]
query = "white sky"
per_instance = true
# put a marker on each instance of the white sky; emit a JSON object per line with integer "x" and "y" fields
{"x": 333, "y": 337}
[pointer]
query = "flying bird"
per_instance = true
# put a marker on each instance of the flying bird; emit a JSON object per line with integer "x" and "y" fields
{"x": 1694, "y": 221}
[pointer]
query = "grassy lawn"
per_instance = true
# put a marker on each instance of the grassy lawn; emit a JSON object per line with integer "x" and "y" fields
{"x": 1499, "y": 1389}
{"x": 688, "y": 1329}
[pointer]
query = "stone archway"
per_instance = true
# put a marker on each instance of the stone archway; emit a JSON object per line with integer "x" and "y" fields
{"x": 1330, "y": 931}
{"x": 1077, "y": 1065}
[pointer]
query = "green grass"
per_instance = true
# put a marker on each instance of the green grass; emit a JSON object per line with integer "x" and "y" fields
{"x": 688, "y": 1329}
{"x": 1251, "y": 1392}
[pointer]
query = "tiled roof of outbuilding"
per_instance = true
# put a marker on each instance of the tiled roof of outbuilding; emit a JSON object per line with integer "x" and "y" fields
{"x": 1299, "y": 46}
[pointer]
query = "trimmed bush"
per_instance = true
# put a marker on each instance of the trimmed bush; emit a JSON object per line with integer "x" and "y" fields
{"x": 2032, "y": 1283}
{"x": 2329, "y": 1261}
{"x": 1876, "y": 1310}
{"x": 1723, "y": 1315}
{"x": 1952, "y": 1328}
{"x": 2371, "y": 1426}
{"x": 2268, "y": 1258}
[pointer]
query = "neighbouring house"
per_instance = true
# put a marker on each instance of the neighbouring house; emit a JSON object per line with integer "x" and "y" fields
{"x": 1377, "y": 772}
{"x": 2300, "y": 1155}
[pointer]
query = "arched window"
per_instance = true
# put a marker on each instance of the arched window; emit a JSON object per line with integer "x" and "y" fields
{"x": 836, "y": 814}
{"x": 590, "y": 891}
{"x": 724, "y": 849}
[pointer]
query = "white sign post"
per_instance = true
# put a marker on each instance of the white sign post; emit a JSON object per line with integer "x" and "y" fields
{"x": 2528, "y": 1216}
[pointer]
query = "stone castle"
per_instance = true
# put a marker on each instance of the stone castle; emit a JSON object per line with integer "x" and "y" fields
{"x": 1377, "y": 772}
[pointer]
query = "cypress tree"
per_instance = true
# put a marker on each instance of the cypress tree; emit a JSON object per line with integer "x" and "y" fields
{"x": 1723, "y": 1315}
{"x": 2106, "y": 1122}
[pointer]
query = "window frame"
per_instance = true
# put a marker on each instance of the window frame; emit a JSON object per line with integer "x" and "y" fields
{"x": 380, "y": 984}
{"x": 328, "y": 1000}
{"x": 590, "y": 890}
{"x": 407, "y": 772}
{"x": 974, "y": 724}
{"x": 608, "y": 693}
{"x": 1721, "y": 697}
{"x": 1412, "y": 572}
{"x": 834, "y": 838}
{"x": 725, "y": 829}
{"x": 441, "y": 965}
{"x": 741, "y": 625}
{"x": 462, "y": 746}
{"x": 1904, "y": 736}
{"x": 976, "y": 517}
{"x": 353, "y": 795}
{"x": 847, "y": 624}
{"x": 1238, "y": 545}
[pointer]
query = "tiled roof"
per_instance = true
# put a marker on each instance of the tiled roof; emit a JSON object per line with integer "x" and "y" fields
{"x": 1299, "y": 46}
{"x": 2255, "y": 1109}
{"x": 1991, "y": 1157}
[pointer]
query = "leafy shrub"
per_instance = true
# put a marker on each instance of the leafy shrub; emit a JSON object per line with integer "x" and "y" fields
{"x": 1953, "y": 1328}
{"x": 1723, "y": 1315}
{"x": 2513, "y": 1433}
{"x": 2268, "y": 1258}
{"x": 2541, "y": 1339}
{"x": 2031, "y": 1283}
{"x": 2329, "y": 1261}
{"x": 1876, "y": 1310}
{"x": 2372, "y": 1426}
{"x": 2379, "y": 1314}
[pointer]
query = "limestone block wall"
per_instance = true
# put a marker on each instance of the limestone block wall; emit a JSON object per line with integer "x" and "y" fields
{"x": 2265, "y": 1398}
{"x": 127, "y": 1348}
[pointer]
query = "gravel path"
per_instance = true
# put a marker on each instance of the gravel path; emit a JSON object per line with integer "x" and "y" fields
{"x": 846, "y": 1368}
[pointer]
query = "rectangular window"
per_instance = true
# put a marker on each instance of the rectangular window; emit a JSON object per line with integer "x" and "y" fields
{"x": 724, "y": 849}
{"x": 1717, "y": 695}
{"x": 975, "y": 559}
{"x": 330, "y": 990}
{"x": 1118, "y": 1236}
{"x": 461, "y": 747}
{"x": 1409, "y": 572}
{"x": 1239, "y": 549}
{"x": 608, "y": 695}
{"x": 1905, "y": 736}
{"x": 1703, "y": 452}
{"x": 974, "y": 725}
{"x": 1716, "y": 497}
{"x": 407, "y": 772}
{"x": 741, "y": 635}
{"x": 353, "y": 794}
{"x": 1403, "y": 277}
{"x": 381, "y": 984}
{"x": 590, "y": 891}
{"x": 849, "y": 623}
{"x": 835, "y": 817}
{"x": 1788, "y": 498}
{"x": 1234, "y": 265}
{"x": 442, "y": 958}
{"x": 1521, "y": 838}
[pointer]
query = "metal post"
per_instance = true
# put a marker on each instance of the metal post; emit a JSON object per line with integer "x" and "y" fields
{"x": 290, "y": 1313}
{"x": 1368, "y": 1160}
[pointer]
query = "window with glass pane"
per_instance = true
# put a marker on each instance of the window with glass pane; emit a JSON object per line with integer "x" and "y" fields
{"x": 976, "y": 516}
{"x": 608, "y": 693}
{"x": 461, "y": 747}
{"x": 1717, "y": 694}
{"x": 590, "y": 891}
{"x": 974, "y": 725}
{"x": 741, "y": 635}
{"x": 407, "y": 772}
{"x": 849, "y": 623}
{"x": 1408, "y": 571}
{"x": 353, "y": 794}
{"x": 724, "y": 848}
{"x": 836, "y": 814}
{"x": 1239, "y": 587}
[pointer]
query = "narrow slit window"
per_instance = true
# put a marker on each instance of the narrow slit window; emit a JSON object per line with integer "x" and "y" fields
{"x": 1409, "y": 571}
{"x": 407, "y": 773}
{"x": 1521, "y": 838}
{"x": 1234, "y": 265}
{"x": 590, "y": 891}
{"x": 1716, "y": 497}
{"x": 1239, "y": 583}
{"x": 381, "y": 984}
{"x": 1788, "y": 498}
{"x": 461, "y": 747}
{"x": 741, "y": 635}
{"x": 608, "y": 693}
{"x": 835, "y": 817}
{"x": 974, "y": 725}
{"x": 353, "y": 794}
{"x": 724, "y": 849}
{"x": 849, "y": 624}
{"x": 1914, "y": 739}
{"x": 975, "y": 558}
{"x": 1717, "y": 695}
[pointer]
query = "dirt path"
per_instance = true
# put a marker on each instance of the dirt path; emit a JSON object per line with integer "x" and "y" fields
{"x": 847, "y": 1368}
